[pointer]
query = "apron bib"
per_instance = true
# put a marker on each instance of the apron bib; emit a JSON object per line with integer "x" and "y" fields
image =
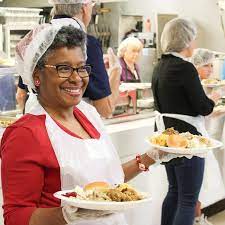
{"x": 213, "y": 188}
{"x": 83, "y": 161}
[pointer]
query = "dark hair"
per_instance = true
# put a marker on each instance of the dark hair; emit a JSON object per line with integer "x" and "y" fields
{"x": 67, "y": 36}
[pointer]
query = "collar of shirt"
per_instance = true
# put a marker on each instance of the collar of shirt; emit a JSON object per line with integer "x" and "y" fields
{"x": 176, "y": 54}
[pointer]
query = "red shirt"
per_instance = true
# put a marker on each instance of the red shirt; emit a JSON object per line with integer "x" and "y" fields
{"x": 30, "y": 170}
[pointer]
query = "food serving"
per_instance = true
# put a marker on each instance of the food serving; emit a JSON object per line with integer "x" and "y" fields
{"x": 6, "y": 121}
{"x": 182, "y": 143}
{"x": 101, "y": 191}
{"x": 211, "y": 82}
{"x": 102, "y": 196}
{"x": 172, "y": 138}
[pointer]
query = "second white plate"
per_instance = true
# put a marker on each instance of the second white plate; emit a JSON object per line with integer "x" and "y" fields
{"x": 189, "y": 151}
{"x": 101, "y": 205}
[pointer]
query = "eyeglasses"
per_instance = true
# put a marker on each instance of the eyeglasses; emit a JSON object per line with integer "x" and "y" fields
{"x": 65, "y": 71}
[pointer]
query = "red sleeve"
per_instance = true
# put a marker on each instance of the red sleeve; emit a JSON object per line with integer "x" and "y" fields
{"x": 22, "y": 175}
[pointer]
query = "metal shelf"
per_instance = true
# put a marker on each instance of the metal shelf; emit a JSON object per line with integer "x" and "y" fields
{"x": 9, "y": 38}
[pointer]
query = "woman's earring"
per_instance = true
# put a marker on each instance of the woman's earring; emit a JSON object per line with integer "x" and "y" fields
{"x": 37, "y": 83}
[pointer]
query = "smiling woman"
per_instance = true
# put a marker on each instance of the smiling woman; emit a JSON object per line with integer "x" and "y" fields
{"x": 61, "y": 142}
{"x": 64, "y": 84}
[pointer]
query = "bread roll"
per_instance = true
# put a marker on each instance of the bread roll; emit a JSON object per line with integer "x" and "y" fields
{"x": 177, "y": 141}
{"x": 97, "y": 186}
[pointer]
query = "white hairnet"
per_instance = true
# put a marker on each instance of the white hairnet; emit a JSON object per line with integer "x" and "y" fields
{"x": 31, "y": 48}
{"x": 177, "y": 35}
{"x": 202, "y": 56}
{"x": 55, "y": 2}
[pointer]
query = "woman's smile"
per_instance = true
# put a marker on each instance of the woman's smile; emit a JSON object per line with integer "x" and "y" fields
{"x": 72, "y": 91}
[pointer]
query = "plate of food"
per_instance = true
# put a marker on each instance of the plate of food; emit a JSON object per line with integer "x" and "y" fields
{"x": 212, "y": 82}
{"x": 102, "y": 196}
{"x": 182, "y": 143}
{"x": 219, "y": 108}
{"x": 6, "y": 121}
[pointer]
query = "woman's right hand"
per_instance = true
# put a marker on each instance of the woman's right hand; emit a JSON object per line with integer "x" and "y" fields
{"x": 72, "y": 214}
{"x": 215, "y": 96}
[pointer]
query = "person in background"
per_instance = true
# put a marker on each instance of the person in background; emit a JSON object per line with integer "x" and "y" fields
{"x": 103, "y": 87}
{"x": 21, "y": 94}
{"x": 181, "y": 102}
{"x": 129, "y": 52}
{"x": 62, "y": 141}
{"x": 203, "y": 61}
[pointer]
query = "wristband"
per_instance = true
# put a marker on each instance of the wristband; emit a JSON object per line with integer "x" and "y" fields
{"x": 141, "y": 166}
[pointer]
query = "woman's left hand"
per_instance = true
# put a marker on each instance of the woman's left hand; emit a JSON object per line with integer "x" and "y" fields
{"x": 73, "y": 214}
{"x": 156, "y": 154}
{"x": 113, "y": 61}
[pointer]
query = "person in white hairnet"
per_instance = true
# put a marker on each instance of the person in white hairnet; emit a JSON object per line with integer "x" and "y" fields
{"x": 181, "y": 103}
{"x": 203, "y": 61}
{"x": 103, "y": 87}
{"x": 61, "y": 142}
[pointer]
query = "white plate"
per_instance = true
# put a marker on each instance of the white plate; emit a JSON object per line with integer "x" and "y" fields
{"x": 189, "y": 151}
{"x": 213, "y": 85}
{"x": 101, "y": 205}
{"x": 219, "y": 109}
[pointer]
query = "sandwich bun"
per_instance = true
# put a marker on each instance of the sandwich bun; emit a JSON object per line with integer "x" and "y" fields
{"x": 96, "y": 186}
{"x": 177, "y": 141}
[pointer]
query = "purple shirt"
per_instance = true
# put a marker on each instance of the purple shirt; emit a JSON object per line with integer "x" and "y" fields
{"x": 127, "y": 75}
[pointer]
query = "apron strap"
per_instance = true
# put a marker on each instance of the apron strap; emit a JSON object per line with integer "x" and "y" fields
{"x": 198, "y": 121}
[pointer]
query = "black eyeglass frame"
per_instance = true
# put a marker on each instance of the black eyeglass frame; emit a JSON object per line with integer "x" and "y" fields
{"x": 72, "y": 69}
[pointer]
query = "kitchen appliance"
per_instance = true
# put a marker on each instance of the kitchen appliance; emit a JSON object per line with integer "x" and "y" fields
{"x": 134, "y": 98}
{"x": 147, "y": 38}
{"x": 219, "y": 66}
{"x": 126, "y": 104}
{"x": 17, "y": 22}
{"x": 146, "y": 63}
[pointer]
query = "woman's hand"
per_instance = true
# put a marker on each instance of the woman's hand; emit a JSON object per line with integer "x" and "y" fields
{"x": 72, "y": 214}
{"x": 156, "y": 154}
{"x": 113, "y": 61}
{"x": 215, "y": 96}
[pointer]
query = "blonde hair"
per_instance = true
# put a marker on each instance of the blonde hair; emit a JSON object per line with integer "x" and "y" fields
{"x": 135, "y": 42}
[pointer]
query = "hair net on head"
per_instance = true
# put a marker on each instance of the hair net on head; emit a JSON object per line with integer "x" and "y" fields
{"x": 202, "y": 56}
{"x": 31, "y": 48}
{"x": 177, "y": 35}
{"x": 55, "y": 2}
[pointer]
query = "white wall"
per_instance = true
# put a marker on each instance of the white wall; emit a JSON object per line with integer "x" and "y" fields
{"x": 205, "y": 14}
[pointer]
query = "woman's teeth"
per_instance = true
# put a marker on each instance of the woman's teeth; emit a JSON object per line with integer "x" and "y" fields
{"x": 72, "y": 91}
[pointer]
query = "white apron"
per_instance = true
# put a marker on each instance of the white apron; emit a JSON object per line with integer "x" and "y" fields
{"x": 213, "y": 188}
{"x": 83, "y": 161}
